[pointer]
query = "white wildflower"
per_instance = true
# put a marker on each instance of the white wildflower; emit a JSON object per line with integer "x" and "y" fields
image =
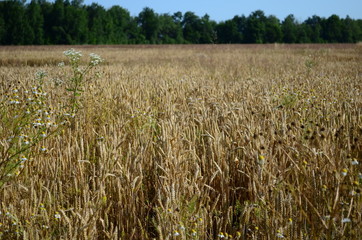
{"x": 221, "y": 235}
{"x": 95, "y": 59}
{"x": 40, "y": 74}
{"x": 354, "y": 161}
{"x": 57, "y": 215}
{"x": 73, "y": 55}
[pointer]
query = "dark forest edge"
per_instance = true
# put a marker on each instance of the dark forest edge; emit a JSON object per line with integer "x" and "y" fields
{"x": 71, "y": 22}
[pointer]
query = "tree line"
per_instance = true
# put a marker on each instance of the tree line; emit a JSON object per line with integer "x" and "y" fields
{"x": 72, "y": 22}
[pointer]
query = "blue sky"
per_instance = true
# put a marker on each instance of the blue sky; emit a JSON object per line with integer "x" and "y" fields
{"x": 220, "y": 10}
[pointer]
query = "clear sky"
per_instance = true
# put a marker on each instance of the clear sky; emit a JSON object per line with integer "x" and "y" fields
{"x": 220, "y": 10}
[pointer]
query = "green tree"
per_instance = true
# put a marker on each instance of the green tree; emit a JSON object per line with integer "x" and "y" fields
{"x": 207, "y": 30}
{"x": 302, "y": 34}
{"x": 99, "y": 24}
{"x": 350, "y": 30}
{"x": 314, "y": 29}
{"x": 36, "y": 23}
{"x": 75, "y": 22}
{"x": 289, "y": 28}
{"x": 46, "y": 11}
{"x": 134, "y": 34}
{"x": 77, "y": 3}
{"x": 120, "y": 18}
{"x": 2, "y": 24}
{"x": 177, "y": 17}
{"x": 170, "y": 30}
{"x": 241, "y": 22}
{"x": 227, "y": 32}
{"x": 15, "y": 25}
{"x": 273, "y": 31}
{"x": 333, "y": 29}
{"x": 72, "y": 22}
{"x": 150, "y": 25}
{"x": 191, "y": 24}
{"x": 359, "y": 34}
{"x": 255, "y": 27}
{"x": 58, "y": 34}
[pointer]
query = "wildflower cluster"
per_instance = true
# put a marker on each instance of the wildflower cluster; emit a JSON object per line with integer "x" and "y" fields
{"x": 193, "y": 231}
{"x": 73, "y": 56}
{"x": 10, "y": 226}
{"x": 75, "y": 82}
{"x": 95, "y": 59}
{"x": 28, "y": 119}
{"x": 13, "y": 226}
{"x": 224, "y": 235}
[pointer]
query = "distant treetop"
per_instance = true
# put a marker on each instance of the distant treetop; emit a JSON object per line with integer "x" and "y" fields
{"x": 72, "y": 22}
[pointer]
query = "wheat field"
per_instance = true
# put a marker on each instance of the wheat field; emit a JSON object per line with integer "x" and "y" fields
{"x": 187, "y": 142}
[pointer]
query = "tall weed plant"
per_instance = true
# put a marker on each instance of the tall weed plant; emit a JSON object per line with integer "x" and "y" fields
{"x": 28, "y": 119}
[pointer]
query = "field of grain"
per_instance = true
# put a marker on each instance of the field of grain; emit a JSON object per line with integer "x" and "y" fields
{"x": 182, "y": 142}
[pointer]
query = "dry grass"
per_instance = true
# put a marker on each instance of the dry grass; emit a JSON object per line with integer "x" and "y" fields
{"x": 248, "y": 141}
